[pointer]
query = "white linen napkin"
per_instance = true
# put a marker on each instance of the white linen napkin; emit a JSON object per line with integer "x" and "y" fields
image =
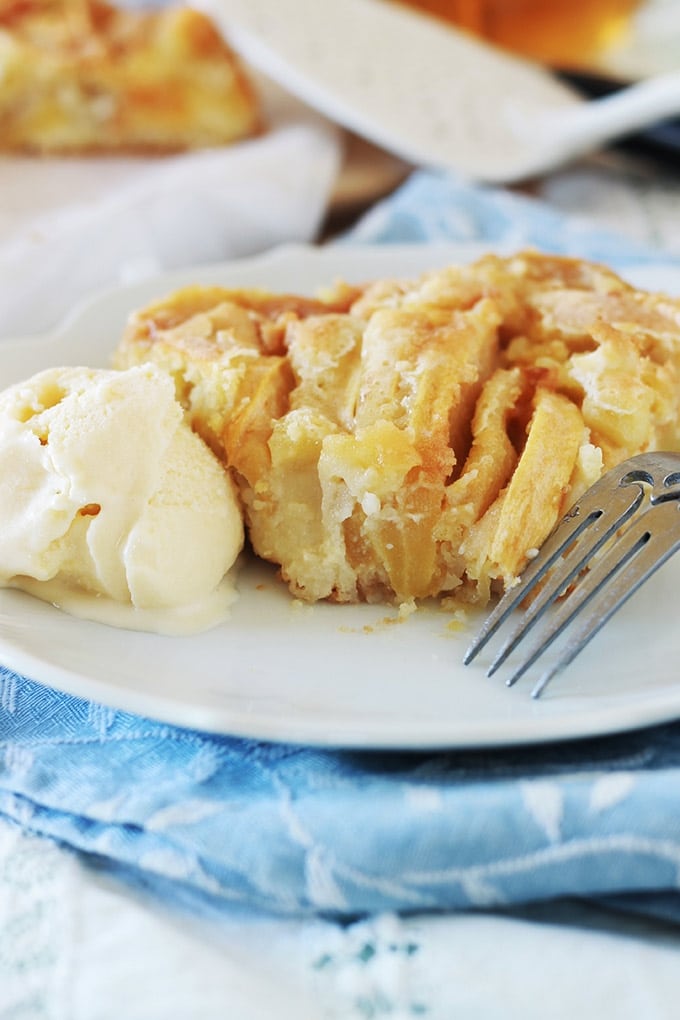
{"x": 71, "y": 226}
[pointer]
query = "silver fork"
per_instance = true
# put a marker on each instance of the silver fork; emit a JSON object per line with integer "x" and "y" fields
{"x": 606, "y": 546}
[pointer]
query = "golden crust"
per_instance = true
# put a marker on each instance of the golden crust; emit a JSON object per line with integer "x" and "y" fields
{"x": 83, "y": 76}
{"x": 409, "y": 439}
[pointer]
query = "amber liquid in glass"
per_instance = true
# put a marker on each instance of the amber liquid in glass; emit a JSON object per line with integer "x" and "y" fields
{"x": 562, "y": 33}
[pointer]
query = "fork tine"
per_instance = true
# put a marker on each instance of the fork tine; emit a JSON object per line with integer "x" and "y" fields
{"x": 598, "y": 527}
{"x": 592, "y": 582}
{"x": 597, "y": 557}
{"x": 622, "y": 570}
{"x": 590, "y": 518}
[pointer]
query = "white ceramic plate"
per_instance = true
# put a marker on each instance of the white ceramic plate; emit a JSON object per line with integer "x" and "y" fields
{"x": 349, "y": 676}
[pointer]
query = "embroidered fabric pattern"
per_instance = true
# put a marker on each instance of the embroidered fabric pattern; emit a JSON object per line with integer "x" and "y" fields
{"x": 266, "y": 825}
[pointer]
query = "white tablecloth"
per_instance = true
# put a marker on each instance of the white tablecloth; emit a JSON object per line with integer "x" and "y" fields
{"x": 74, "y": 946}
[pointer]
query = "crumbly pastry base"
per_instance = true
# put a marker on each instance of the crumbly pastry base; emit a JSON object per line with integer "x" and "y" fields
{"x": 417, "y": 438}
{"x": 83, "y": 76}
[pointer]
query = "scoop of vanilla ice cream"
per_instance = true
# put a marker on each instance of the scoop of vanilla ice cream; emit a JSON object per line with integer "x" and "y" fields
{"x": 104, "y": 487}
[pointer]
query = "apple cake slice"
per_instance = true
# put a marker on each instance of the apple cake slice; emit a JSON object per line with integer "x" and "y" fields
{"x": 408, "y": 439}
{"x": 82, "y": 76}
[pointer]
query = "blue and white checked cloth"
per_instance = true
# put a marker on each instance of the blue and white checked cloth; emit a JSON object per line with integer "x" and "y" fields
{"x": 207, "y": 821}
